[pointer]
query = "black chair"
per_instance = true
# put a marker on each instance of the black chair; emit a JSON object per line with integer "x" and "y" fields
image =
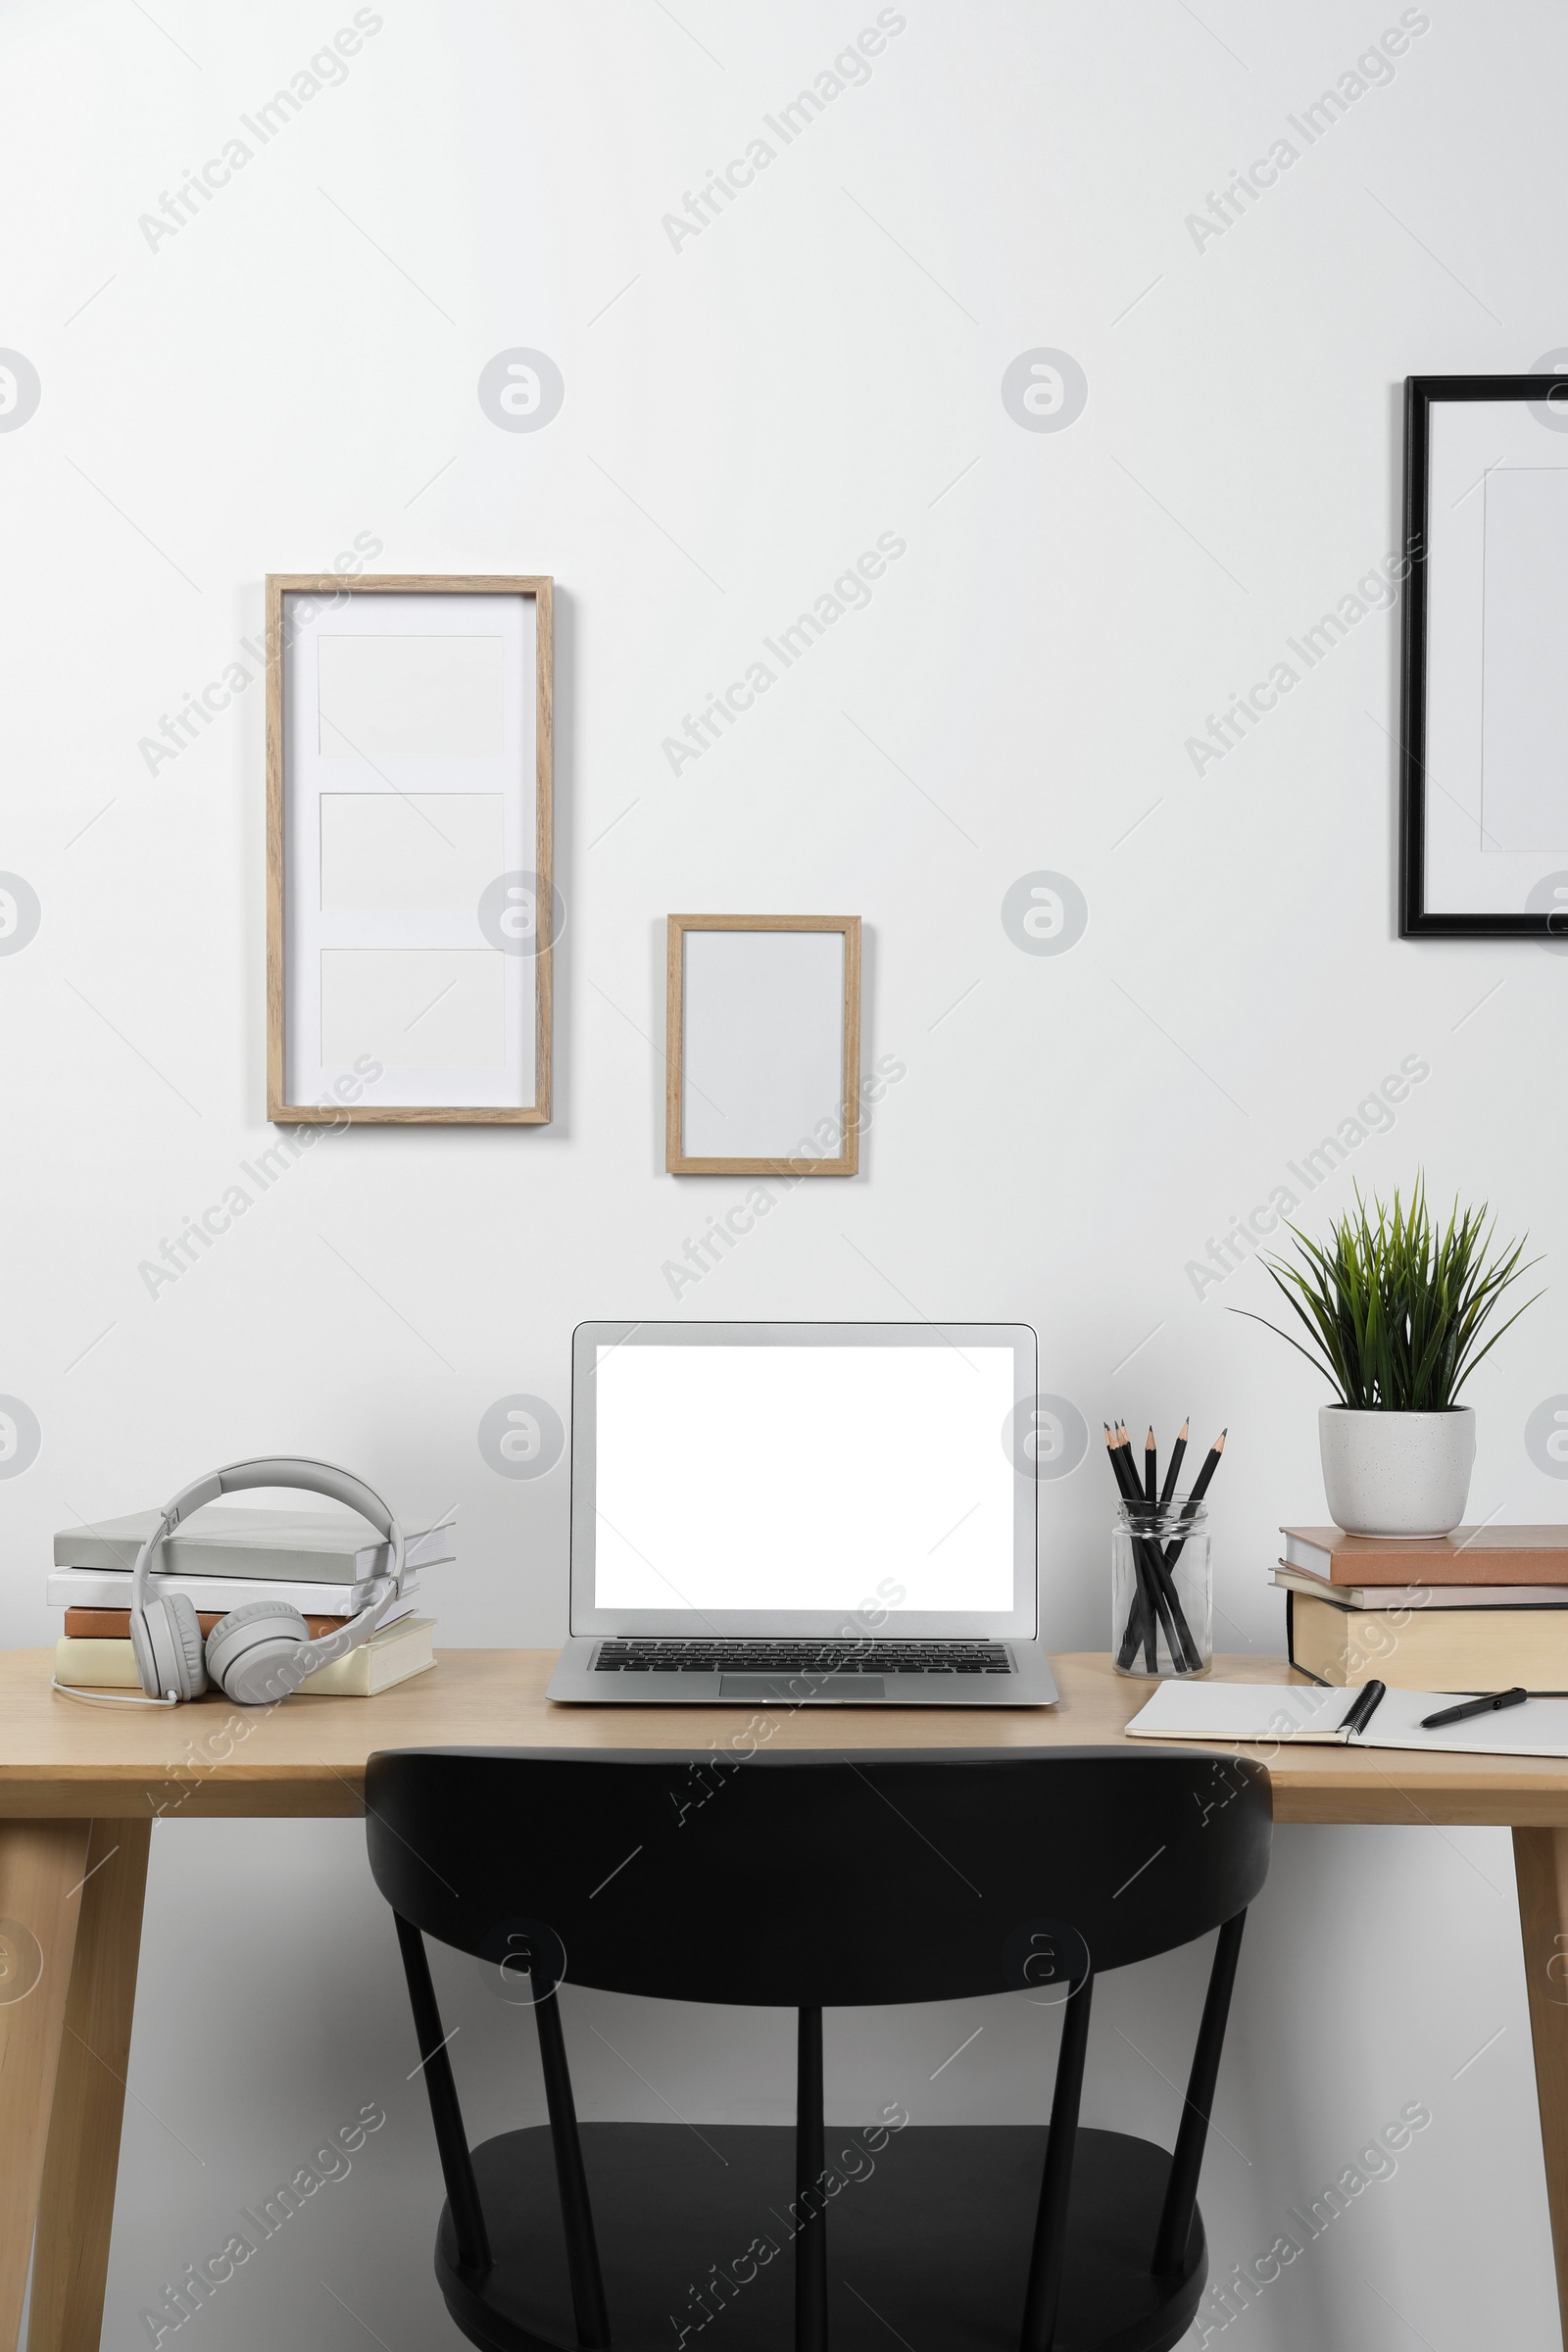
{"x": 818, "y": 1882}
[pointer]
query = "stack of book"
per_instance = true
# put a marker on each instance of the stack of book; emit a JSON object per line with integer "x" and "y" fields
{"x": 317, "y": 1564}
{"x": 1483, "y": 1608}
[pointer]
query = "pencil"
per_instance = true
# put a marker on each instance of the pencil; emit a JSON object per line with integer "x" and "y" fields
{"x": 1133, "y": 1490}
{"x": 1151, "y": 1468}
{"x": 1200, "y": 1483}
{"x": 1140, "y": 1631}
{"x": 1121, "y": 1455}
{"x": 1139, "y": 1617}
{"x": 1200, "y": 1486}
{"x": 1173, "y": 1466}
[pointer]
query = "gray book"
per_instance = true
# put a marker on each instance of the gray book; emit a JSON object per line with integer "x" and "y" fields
{"x": 299, "y": 1546}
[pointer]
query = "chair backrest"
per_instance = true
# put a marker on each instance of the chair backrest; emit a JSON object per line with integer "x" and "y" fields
{"x": 800, "y": 1879}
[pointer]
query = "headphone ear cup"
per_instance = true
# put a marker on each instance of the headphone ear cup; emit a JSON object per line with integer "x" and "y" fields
{"x": 167, "y": 1650}
{"x": 141, "y": 1651}
{"x": 251, "y": 1652}
{"x": 186, "y": 1630}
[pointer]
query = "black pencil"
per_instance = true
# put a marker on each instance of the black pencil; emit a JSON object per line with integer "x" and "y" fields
{"x": 1131, "y": 1481}
{"x": 1151, "y": 1468}
{"x": 1183, "y": 1647}
{"x": 1200, "y": 1486}
{"x": 1140, "y": 1631}
{"x": 1173, "y": 1466}
{"x": 1134, "y": 1632}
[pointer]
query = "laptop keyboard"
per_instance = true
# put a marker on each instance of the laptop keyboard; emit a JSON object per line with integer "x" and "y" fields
{"x": 632, "y": 1657}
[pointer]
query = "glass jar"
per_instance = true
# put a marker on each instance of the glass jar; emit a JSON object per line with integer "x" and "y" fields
{"x": 1161, "y": 1589}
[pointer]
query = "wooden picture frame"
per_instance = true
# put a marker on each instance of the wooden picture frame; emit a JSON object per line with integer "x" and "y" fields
{"x": 1483, "y": 708}
{"x": 725, "y": 1068}
{"x": 469, "y": 705}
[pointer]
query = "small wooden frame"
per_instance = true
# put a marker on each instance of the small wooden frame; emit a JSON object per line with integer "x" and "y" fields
{"x": 770, "y": 1041}
{"x": 401, "y": 718}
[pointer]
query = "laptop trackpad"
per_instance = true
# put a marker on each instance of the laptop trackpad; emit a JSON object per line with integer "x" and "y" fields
{"x": 785, "y": 1686}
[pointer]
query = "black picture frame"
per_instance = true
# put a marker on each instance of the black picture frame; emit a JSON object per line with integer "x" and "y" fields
{"x": 1416, "y": 920}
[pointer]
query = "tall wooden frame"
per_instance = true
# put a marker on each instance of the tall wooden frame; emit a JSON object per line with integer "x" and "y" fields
{"x": 801, "y": 1162}
{"x": 280, "y": 1110}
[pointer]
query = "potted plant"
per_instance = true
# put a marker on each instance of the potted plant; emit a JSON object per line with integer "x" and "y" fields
{"x": 1395, "y": 1309}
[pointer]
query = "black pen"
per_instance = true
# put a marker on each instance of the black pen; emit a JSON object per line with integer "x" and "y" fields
{"x": 1365, "y": 1707}
{"x": 1475, "y": 1706}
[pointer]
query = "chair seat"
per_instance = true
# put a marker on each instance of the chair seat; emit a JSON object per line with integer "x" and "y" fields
{"x": 932, "y": 2245}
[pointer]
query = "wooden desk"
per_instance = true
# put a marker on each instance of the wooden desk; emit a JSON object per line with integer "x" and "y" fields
{"x": 81, "y": 1786}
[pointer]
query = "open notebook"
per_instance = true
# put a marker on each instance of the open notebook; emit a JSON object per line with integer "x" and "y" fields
{"x": 1295, "y": 1714}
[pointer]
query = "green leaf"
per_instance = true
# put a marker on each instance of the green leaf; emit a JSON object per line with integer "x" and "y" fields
{"x": 1394, "y": 1308}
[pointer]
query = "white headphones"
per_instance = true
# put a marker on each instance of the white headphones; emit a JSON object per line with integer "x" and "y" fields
{"x": 264, "y": 1650}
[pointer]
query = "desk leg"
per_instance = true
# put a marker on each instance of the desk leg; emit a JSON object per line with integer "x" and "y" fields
{"x": 42, "y": 1864}
{"x": 1541, "y": 1865}
{"x": 77, "y": 2208}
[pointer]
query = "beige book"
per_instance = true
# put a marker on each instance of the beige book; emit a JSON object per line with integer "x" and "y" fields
{"x": 1431, "y": 1649}
{"x": 390, "y": 1656}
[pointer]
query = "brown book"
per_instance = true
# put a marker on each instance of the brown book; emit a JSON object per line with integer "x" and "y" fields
{"x": 113, "y": 1625}
{"x": 1470, "y": 1555}
{"x": 1430, "y": 1649}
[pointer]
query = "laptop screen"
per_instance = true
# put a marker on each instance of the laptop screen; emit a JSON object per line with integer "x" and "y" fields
{"x": 824, "y": 1478}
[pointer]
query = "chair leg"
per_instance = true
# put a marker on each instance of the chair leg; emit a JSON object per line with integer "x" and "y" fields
{"x": 811, "y": 2202}
{"x": 451, "y": 2139}
{"x": 1181, "y": 2188}
{"x": 576, "y": 2213}
{"x": 1046, "y": 2265}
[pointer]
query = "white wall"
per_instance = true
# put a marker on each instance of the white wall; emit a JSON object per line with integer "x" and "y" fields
{"x": 743, "y": 416}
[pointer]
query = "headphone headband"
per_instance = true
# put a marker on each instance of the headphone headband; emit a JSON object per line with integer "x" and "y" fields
{"x": 312, "y": 1477}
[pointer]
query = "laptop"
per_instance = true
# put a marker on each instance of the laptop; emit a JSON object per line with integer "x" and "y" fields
{"x": 802, "y": 1514}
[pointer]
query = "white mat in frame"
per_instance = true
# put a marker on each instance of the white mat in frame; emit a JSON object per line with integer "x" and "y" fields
{"x": 409, "y": 833}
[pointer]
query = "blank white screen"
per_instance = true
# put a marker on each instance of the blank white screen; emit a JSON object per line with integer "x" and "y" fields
{"x": 803, "y": 1478}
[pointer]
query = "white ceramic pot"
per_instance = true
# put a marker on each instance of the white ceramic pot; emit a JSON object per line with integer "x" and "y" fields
{"x": 1397, "y": 1474}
